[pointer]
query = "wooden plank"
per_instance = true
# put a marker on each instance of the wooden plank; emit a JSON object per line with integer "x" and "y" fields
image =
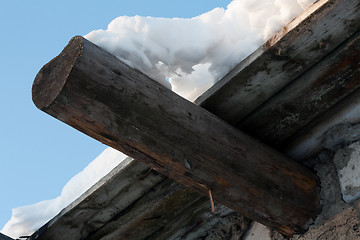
{"x": 134, "y": 202}
{"x": 307, "y": 143}
{"x": 298, "y": 46}
{"x": 93, "y": 91}
{"x": 163, "y": 208}
{"x": 111, "y": 196}
{"x": 312, "y": 94}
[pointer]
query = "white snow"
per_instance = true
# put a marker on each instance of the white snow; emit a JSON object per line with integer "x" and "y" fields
{"x": 25, "y": 220}
{"x": 195, "y": 53}
{"x": 192, "y": 54}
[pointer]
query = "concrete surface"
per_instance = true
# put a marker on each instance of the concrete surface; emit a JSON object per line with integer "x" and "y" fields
{"x": 257, "y": 231}
{"x": 347, "y": 162}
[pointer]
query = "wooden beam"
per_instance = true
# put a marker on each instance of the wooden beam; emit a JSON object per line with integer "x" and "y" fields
{"x": 135, "y": 202}
{"x": 317, "y": 90}
{"x": 284, "y": 57}
{"x": 130, "y": 202}
{"x": 307, "y": 143}
{"x": 94, "y": 92}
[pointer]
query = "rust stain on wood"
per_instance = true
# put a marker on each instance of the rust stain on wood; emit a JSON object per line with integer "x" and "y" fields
{"x": 287, "y": 230}
{"x": 308, "y": 184}
{"x": 223, "y": 182}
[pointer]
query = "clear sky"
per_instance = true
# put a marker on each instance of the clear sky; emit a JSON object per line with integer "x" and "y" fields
{"x": 39, "y": 154}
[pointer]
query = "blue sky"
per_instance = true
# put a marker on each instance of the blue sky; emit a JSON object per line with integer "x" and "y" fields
{"x": 39, "y": 154}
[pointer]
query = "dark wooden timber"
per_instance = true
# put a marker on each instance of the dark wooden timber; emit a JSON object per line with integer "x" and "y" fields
{"x": 128, "y": 203}
{"x": 91, "y": 90}
{"x": 307, "y": 143}
{"x": 104, "y": 209}
{"x": 284, "y": 57}
{"x": 312, "y": 94}
{"x": 3, "y": 237}
{"x": 134, "y": 203}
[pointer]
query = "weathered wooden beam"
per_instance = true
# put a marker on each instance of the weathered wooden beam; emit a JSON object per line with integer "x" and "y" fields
{"x": 307, "y": 142}
{"x": 91, "y": 90}
{"x": 135, "y": 202}
{"x": 284, "y": 57}
{"x": 321, "y": 87}
{"x": 131, "y": 202}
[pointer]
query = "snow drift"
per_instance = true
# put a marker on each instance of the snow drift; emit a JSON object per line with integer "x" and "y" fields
{"x": 192, "y": 54}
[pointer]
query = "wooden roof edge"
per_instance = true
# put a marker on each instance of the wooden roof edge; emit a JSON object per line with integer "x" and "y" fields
{"x": 284, "y": 57}
{"x": 4, "y": 237}
{"x": 93, "y": 189}
{"x": 323, "y": 86}
{"x": 129, "y": 196}
{"x": 302, "y": 142}
{"x": 257, "y": 53}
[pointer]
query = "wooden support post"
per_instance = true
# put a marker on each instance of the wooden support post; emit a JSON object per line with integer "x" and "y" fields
{"x": 94, "y": 92}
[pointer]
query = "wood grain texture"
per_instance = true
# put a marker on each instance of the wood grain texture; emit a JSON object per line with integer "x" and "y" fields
{"x": 283, "y": 58}
{"x": 323, "y": 86}
{"x": 307, "y": 142}
{"x": 96, "y": 93}
{"x": 135, "y": 202}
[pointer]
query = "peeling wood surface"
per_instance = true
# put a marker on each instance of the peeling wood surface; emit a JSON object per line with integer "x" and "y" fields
{"x": 284, "y": 57}
{"x": 104, "y": 98}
